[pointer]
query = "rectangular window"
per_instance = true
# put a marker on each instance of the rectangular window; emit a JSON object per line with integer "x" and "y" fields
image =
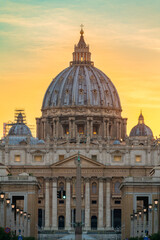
{"x": 95, "y": 129}
{"x": 81, "y": 129}
{"x": 117, "y": 202}
{"x": 61, "y": 157}
{"x": 66, "y": 129}
{"x": 38, "y": 158}
{"x": 17, "y": 158}
{"x": 94, "y": 157}
{"x": 138, "y": 158}
{"x": 94, "y": 202}
{"x": 61, "y": 201}
{"x": 117, "y": 158}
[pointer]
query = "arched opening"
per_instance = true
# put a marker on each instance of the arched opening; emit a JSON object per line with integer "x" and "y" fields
{"x": 61, "y": 222}
{"x": 93, "y": 222}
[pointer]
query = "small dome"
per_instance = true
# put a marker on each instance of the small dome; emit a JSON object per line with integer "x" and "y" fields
{"x": 141, "y": 129}
{"x": 19, "y": 128}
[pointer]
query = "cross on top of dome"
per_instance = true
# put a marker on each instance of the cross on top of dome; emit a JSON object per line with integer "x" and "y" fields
{"x": 81, "y": 54}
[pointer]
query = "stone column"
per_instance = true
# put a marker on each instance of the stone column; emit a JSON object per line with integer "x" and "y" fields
{"x": 70, "y": 127}
{"x": 120, "y": 134}
{"x": 108, "y": 205}
{"x": 68, "y": 204}
{"x": 91, "y": 128}
{"x": 104, "y": 128}
{"x": 47, "y": 204}
{"x": 72, "y": 217}
{"x": 57, "y": 127}
{"x": 88, "y": 128}
{"x": 54, "y": 128}
{"x": 111, "y": 128}
{"x": 87, "y": 204}
{"x": 74, "y": 129}
{"x": 100, "y": 205}
{"x": 117, "y": 129}
{"x": 54, "y": 204}
{"x": 108, "y": 128}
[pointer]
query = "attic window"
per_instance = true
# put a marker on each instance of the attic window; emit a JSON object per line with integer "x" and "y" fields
{"x": 61, "y": 157}
{"x": 117, "y": 158}
{"x": 94, "y": 157}
{"x": 138, "y": 158}
{"x": 38, "y": 158}
{"x": 17, "y": 158}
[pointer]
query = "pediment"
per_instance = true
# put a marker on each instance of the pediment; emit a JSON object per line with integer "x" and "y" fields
{"x": 70, "y": 162}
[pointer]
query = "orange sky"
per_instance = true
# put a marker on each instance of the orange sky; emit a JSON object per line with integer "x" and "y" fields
{"x": 37, "y": 40}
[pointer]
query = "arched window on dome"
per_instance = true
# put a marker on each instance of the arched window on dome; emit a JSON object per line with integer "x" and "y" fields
{"x": 94, "y": 188}
{"x": 116, "y": 188}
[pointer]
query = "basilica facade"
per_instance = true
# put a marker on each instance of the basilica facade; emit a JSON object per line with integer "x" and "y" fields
{"x": 81, "y": 116}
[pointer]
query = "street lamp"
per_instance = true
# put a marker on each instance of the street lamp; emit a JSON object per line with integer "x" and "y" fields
{"x": 2, "y": 195}
{"x": 8, "y": 201}
{"x": 156, "y": 202}
{"x": 150, "y": 207}
{"x": 29, "y": 216}
{"x": 155, "y": 215}
{"x": 144, "y": 210}
{"x": 25, "y": 214}
{"x": 21, "y": 212}
{"x": 17, "y": 210}
{"x": 13, "y": 206}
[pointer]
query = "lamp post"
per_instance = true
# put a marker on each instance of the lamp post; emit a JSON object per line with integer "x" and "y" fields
{"x": 25, "y": 224}
{"x": 2, "y": 195}
{"x": 17, "y": 221}
{"x": 150, "y": 219}
{"x": 28, "y": 224}
{"x": 78, "y": 228}
{"x": 8, "y": 210}
{"x": 21, "y": 221}
{"x": 132, "y": 226}
{"x": 155, "y": 215}
{"x": 135, "y": 224}
{"x": 12, "y": 217}
{"x": 140, "y": 223}
{"x": 144, "y": 220}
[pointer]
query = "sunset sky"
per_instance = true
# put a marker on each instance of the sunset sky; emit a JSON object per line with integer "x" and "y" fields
{"x": 37, "y": 39}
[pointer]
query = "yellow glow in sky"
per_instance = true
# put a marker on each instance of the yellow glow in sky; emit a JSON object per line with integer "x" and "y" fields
{"x": 37, "y": 40}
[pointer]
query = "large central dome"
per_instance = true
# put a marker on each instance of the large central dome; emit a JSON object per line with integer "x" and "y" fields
{"x": 81, "y": 84}
{"x": 81, "y": 101}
